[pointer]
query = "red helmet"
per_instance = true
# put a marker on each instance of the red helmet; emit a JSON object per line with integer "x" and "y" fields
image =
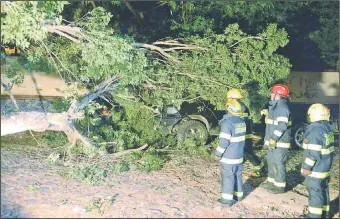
{"x": 281, "y": 89}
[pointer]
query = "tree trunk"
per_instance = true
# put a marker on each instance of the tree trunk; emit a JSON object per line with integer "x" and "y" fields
{"x": 42, "y": 121}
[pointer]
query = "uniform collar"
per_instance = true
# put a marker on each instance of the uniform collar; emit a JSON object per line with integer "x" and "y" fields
{"x": 225, "y": 117}
{"x": 274, "y": 102}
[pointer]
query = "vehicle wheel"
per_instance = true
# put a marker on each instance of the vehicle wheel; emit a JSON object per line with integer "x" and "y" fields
{"x": 298, "y": 135}
{"x": 194, "y": 129}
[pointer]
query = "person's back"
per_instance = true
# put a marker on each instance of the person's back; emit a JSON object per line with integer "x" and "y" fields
{"x": 318, "y": 144}
{"x": 277, "y": 138}
{"x": 278, "y": 123}
{"x": 322, "y": 135}
{"x": 235, "y": 149}
{"x": 231, "y": 151}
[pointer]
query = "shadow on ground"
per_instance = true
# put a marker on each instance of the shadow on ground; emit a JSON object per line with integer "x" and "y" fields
{"x": 334, "y": 207}
{"x": 10, "y": 209}
{"x": 294, "y": 176}
{"x": 252, "y": 183}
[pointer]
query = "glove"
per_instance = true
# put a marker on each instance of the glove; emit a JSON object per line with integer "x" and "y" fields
{"x": 306, "y": 172}
{"x": 272, "y": 144}
{"x": 264, "y": 112}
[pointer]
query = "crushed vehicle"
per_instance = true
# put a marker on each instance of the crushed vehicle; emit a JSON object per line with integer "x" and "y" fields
{"x": 188, "y": 122}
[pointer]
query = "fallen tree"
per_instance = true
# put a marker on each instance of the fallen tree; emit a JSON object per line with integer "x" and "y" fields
{"x": 137, "y": 76}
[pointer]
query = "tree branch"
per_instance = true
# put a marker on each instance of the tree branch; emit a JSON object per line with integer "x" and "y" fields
{"x": 99, "y": 89}
{"x": 121, "y": 153}
{"x": 175, "y": 43}
{"x": 10, "y": 94}
{"x": 60, "y": 29}
{"x": 156, "y": 48}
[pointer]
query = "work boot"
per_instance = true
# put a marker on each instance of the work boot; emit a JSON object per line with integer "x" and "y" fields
{"x": 325, "y": 214}
{"x": 225, "y": 202}
{"x": 308, "y": 216}
{"x": 258, "y": 173}
{"x": 238, "y": 198}
{"x": 276, "y": 190}
{"x": 267, "y": 185}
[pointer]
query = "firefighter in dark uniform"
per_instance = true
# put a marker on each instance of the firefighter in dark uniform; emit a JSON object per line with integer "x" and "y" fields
{"x": 259, "y": 169}
{"x": 231, "y": 151}
{"x": 318, "y": 147}
{"x": 277, "y": 138}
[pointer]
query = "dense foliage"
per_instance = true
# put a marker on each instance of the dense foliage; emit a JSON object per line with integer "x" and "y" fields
{"x": 236, "y": 46}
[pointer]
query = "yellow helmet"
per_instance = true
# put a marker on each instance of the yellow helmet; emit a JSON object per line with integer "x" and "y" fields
{"x": 234, "y": 94}
{"x": 234, "y": 107}
{"x": 318, "y": 112}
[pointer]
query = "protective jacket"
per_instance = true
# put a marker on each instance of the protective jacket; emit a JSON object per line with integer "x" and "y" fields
{"x": 278, "y": 124}
{"x": 232, "y": 139}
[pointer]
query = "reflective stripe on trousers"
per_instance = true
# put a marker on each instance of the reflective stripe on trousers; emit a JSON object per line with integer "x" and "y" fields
{"x": 318, "y": 175}
{"x": 276, "y": 160}
{"x": 277, "y": 184}
{"x": 318, "y": 197}
{"x": 279, "y": 144}
{"x": 231, "y": 181}
{"x": 232, "y": 161}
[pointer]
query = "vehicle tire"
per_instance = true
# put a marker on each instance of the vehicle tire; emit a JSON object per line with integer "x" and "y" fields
{"x": 192, "y": 128}
{"x": 298, "y": 135}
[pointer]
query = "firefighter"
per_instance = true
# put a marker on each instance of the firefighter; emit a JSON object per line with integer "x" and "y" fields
{"x": 259, "y": 169}
{"x": 231, "y": 150}
{"x": 317, "y": 161}
{"x": 277, "y": 138}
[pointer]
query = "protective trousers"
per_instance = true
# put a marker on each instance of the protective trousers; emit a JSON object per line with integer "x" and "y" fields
{"x": 318, "y": 198}
{"x": 276, "y": 159}
{"x": 251, "y": 156}
{"x": 231, "y": 181}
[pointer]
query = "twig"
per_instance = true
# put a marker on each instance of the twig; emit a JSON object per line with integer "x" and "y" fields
{"x": 55, "y": 64}
{"x": 61, "y": 63}
{"x": 195, "y": 76}
{"x": 258, "y": 38}
{"x": 182, "y": 48}
{"x": 175, "y": 43}
{"x": 110, "y": 142}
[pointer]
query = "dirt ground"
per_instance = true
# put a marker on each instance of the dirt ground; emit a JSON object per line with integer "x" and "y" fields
{"x": 184, "y": 187}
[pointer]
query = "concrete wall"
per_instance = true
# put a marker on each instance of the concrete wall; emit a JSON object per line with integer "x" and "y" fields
{"x": 38, "y": 84}
{"x": 314, "y": 87}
